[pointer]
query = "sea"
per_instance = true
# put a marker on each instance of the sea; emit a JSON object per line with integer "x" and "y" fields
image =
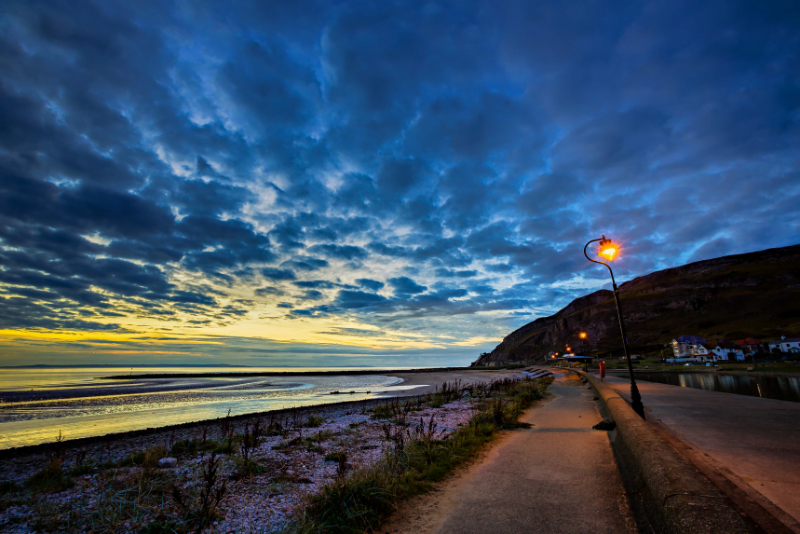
{"x": 38, "y": 405}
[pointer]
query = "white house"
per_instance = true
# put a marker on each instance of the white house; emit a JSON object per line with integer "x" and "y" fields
{"x": 785, "y": 344}
{"x": 703, "y": 352}
{"x": 697, "y": 349}
{"x": 724, "y": 350}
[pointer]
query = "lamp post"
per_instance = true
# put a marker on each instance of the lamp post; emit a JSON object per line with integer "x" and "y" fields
{"x": 608, "y": 250}
{"x": 582, "y": 335}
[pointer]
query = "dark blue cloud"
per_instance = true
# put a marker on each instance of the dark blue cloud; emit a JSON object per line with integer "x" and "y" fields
{"x": 404, "y": 285}
{"x": 305, "y": 264}
{"x": 459, "y": 154}
{"x": 316, "y": 284}
{"x": 347, "y": 299}
{"x": 272, "y": 273}
{"x": 373, "y": 285}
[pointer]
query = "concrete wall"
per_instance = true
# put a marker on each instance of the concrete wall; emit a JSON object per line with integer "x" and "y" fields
{"x": 668, "y": 494}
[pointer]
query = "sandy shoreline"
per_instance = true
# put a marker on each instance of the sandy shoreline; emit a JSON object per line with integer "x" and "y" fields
{"x": 169, "y": 382}
{"x": 413, "y": 383}
{"x": 338, "y": 372}
{"x": 292, "y": 462}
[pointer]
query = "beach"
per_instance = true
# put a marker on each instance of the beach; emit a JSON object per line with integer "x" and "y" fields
{"x": 295, "y": 455}
{"x": 92, "y": 403}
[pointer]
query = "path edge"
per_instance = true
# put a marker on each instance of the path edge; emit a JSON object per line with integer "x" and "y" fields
{"x": 667, "y": 493}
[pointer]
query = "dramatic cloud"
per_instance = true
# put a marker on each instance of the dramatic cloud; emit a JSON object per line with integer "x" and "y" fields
{"x": 400, "y": 177}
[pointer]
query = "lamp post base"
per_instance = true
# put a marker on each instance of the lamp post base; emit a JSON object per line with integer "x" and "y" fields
{"x": 636, "y": 401}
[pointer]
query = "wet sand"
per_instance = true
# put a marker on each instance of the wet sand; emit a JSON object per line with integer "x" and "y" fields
{"x": 422, "y": 380}
{"x": 91, "y": 425}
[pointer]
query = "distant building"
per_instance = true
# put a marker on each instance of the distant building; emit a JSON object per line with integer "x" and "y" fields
{"x": 750, "y": 345}
{"x": 785, "y": 344}
{"x": 703, "y": 352}
{"x": 682, "y": 347}
{"x": 697, "y": 349}
{"x": 727, "y": 351}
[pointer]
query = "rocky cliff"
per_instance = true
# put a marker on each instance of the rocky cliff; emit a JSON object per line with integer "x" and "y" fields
{"x": 756, "y": 294}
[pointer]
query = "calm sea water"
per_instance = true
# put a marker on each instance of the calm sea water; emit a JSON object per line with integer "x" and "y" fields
{"x": 37, "y": 404}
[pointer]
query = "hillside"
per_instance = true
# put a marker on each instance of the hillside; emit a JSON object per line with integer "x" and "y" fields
{"x": 756, "y": 294}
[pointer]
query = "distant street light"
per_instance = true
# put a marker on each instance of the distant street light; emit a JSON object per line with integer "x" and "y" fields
{"x": 608, "y": 250}
{"x": 582, "y": 335}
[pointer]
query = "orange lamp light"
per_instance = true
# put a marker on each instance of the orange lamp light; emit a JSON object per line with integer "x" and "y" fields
{"x": 608, "y": 249}
{"x": 582, "y": 335}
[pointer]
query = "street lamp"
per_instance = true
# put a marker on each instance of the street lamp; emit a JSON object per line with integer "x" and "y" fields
{"x": 608, "y": 250}
{"x": 582, "y": 335}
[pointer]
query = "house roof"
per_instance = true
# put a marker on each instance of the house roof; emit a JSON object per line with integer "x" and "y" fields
{"x": 723, "y": 344}
{"x": 690, "y": 339}
{"x": 791, "y": 340}
{"x": 748, "y": 341}
{"x": 709, "y": 346}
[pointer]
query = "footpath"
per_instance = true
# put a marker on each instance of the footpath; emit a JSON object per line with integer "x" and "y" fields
{"x": 746, "y": 445}
{"x": 558, "y": 477}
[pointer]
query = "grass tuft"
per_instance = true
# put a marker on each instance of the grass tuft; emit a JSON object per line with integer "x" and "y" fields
{"x": 313, "y": 421}
{"x": 50, "y": 479}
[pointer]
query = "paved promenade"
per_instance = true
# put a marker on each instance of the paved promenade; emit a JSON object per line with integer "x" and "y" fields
{"x": 559, "y": 477}
{"x": 752, "y": 439}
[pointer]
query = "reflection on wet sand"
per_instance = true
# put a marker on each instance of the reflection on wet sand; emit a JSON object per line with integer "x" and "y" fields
{"x": 93, "y": 407}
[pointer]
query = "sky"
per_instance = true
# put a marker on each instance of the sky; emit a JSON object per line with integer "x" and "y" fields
{"x": 372, "y": 183}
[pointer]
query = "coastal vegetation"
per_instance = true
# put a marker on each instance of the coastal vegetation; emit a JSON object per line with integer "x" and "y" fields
{"x": 416, "y": 460}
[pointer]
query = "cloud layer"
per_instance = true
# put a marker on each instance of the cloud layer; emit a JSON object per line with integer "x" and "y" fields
{"x": 396, "y": 176}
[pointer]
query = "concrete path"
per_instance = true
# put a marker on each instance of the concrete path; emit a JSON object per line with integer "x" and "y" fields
{"x": 755, "y": 440}
{"x": 559, "y": 477}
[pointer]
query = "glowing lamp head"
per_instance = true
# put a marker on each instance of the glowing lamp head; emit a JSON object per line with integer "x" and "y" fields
{"x": 607, "y": 249}
{"x": 582, "y": 335}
